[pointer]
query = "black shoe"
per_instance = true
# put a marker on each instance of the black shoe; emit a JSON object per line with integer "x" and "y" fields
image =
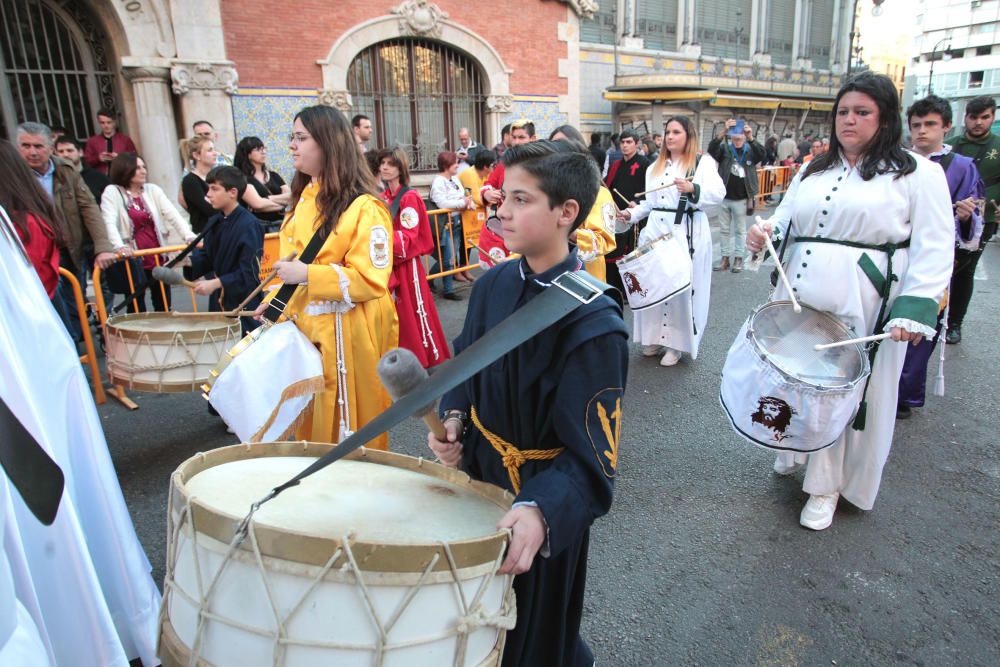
{"x": 903, "y": 412}
{"x": 954, "y": 336}
{"x": 451, "y": 296}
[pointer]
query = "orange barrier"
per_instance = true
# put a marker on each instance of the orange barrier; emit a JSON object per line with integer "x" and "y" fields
{"x": 90, "y": 358}
{"x": 441, "y": 221}
{"x": 773, "y": 181}
{"x": 270, "y": 256}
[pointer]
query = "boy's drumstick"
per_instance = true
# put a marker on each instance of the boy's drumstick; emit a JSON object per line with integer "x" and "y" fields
{"x": 264, "y": 283}
{"x": 852, "y": 341}
{"x": 781, "y": 271}
{"x": 627, "y": 202}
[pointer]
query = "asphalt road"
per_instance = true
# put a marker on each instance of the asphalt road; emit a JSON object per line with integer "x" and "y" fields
{"x": 701, "y": 561}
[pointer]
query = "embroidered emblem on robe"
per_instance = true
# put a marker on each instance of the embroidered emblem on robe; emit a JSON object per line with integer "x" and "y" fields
{"x": 409, "y": 217}
{"x": 608, "y": 213}
{"x": 604, "y": 425}
{"x": 378, "y": 247}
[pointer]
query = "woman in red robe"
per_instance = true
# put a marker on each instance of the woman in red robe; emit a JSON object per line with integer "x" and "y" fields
{"x": 419, "y": 327}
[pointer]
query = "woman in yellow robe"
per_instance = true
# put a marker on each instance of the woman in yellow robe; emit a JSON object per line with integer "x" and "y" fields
{"x": 344, "y": 306}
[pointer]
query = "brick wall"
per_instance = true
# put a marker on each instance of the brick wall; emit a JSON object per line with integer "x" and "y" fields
{"x": 278, "y": 44}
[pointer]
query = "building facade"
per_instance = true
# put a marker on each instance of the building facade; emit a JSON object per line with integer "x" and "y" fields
{"x": 957, "y": 55}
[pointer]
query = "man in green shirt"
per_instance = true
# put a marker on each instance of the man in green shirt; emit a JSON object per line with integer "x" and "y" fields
{"x": 984, "y": 148}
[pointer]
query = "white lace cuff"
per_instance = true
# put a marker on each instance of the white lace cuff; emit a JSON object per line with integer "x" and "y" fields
{"x": 910, "y": 326}
{"x": 345, "y": 284}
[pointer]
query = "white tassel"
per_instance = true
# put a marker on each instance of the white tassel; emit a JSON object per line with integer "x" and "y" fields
{"x": 939, "y": 380}
{"x": 427, "y": 336}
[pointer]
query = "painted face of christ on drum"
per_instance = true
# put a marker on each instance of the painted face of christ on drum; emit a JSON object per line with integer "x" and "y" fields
{"x": 775, "y": 414}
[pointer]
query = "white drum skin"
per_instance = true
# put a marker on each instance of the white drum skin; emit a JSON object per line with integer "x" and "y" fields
{"x": 325, "y": 612}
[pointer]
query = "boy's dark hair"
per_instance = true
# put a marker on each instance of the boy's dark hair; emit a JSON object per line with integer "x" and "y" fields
{"x": 66, "y": 139}
{"x": 229, "y": 178}
{"x": 356, "y": 121}
{"x": 107, "y": 113}
{"x": 201, "y": 122}
{"x": 978, "y": 105}
{"x": 484, "y": 159}
{"x": 628, "y": 134}
{"x": 928, "y": 105}
{"x": 504, "y": 131}
{"x": 562, "y": 172}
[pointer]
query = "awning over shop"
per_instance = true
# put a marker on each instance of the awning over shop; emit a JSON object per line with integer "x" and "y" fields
{"x": 714, "y": 98}
{"x": 744, "y": 102}
{"x": 658, "y": 95}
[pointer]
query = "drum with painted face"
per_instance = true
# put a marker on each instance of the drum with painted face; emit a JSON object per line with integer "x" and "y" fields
{"x": 167, "y": 352}
{"x": 655, "y": 272}
{"x": 379, "y": 559}
{"x": 779, "y": 392}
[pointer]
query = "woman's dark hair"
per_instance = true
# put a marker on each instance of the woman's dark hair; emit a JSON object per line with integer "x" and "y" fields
{"x": 241, "y": 160}
{"x": 884, "y": 154}
{"x": 446, "y": 159}
{"x": 397, "y": 158}
{"x": 123, "y": 168}
{"x": 484, "y": 159}
{"x": 22, "y": 195}
{"x": 572, "y": 135}
{"x": 344, "y": 176}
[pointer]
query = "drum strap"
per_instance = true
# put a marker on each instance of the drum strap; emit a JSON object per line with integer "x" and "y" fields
{"x": 568, "y": 292}
{"x": 38, "y": 479}
{"x": 883, "y": 285}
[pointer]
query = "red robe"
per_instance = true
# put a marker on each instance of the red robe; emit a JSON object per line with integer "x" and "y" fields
{"x": 419, "y": 327}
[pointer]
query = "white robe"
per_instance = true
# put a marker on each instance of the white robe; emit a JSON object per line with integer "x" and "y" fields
{"x": 838, "y": 204}
{"x": 680, "y": 323}
{"x": 96, "y": 603}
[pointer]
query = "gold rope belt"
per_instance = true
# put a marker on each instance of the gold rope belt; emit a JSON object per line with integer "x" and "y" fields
{"x": 513, "y": 458}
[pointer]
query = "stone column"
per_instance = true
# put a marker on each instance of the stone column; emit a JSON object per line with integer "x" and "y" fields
{"x": 497, "y": 109}
{"x": 205, "y": 90}
{"x": 157, "y": 136}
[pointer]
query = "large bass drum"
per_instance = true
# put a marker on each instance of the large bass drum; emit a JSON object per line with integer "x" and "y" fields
{"x": 377, "y": 560}
{"x": 779, "y": 392}
{"x": 655, "y": 272}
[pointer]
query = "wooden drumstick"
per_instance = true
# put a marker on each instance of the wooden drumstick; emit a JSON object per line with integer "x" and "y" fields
{"x": 781, "y": 271}
{"x": 852, "y": 341}
{"x": 627, "y": 202}
{"x": 264, "y": 283}
{"x": 662, "y": 187}
{"x": 400, "y": 372}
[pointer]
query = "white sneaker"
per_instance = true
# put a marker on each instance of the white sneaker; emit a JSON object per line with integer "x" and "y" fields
{"x": 670, "y": 357}
{"x": 783, "y": 468}
{"x": 651, "y": 350}
{"x": 818, "y": 512}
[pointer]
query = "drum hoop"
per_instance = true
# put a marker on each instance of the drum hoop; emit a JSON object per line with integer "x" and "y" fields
{"x": 180, "y": 387}
{"x": 316, "y": 550}
{"x": 864, "y": 372}
{"x": 218, "y": 326}
{"x": 236, "y": 350}
{"x": 646, "y": 247}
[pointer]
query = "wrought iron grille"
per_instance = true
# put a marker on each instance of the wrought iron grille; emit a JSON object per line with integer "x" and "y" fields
{"x": 418, "y": 94}
{"x": 55, "y": 65}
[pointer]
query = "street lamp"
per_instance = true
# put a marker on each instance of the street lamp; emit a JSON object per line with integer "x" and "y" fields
{"x": 930, "y": 80}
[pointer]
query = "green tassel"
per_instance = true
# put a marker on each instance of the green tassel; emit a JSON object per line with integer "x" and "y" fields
{"x": 861, "y": 418}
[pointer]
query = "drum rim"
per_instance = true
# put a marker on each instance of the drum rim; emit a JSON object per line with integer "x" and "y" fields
{"x": 645, "y": 247}
{"x": 179, "y": 387}
{"x": 219, "y": 325}
{"x": 316, "y": 550}
{"x": 858, "y": 348}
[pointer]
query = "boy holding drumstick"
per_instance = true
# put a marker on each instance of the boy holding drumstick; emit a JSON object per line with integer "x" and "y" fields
{"x": 544, "y": 421}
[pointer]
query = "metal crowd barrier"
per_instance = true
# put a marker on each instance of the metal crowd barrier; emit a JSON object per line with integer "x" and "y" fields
{"x": 774, "y": 181}
{"x": 90, "y": 358}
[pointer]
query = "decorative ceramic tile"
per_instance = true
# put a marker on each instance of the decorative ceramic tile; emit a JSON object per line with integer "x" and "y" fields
{"x": 545, "y": 115}
{"x": 270, "y": 118}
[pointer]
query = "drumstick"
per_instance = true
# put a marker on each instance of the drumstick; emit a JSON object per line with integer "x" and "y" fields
{"x": 662, "y": 187}
{"x": 852, "y": 341}
{"x": 401, "y": 371}
{"x": 627, "y": 202}
{"x": 171, "y": 277}
{"x": 264, "y": 283}
{"x": 781, "y": 271}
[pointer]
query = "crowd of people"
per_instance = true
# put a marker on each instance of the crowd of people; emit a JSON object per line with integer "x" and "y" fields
{"x": 898, "y": 231}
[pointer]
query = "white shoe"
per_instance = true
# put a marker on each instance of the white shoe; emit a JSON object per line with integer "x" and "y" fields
{"x": 651, "y": 350}
{"x": 670, "y": 357}
{"x": 818, "y": 512}
{"x": 783, "y": 468}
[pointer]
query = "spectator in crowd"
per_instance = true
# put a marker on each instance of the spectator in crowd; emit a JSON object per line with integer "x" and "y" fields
{"x": 979, "y": 143}
{"x": 738, "y": 156}
{"x": 614, "y": 153}
{"x": 815, "y": 149}
{"x": 138, "y": 214}
{"x": 504, "y": 141}
{"x": 472, "y": 181}
{"x": 771, "y": 151}
{"x": 58, "y": 132}
{"x": 658, "y": 140}
{"x": 649, "y": 149}
{"x": 467, "y": 150}
{"x": 447, "y": 192}
{"x": 202, "y": 128}
{"x": 38, "y": 223}
{"x": 80, "y": 212}
{"x": 805, "y": 146}
{"x": 102, "y": 148}
{"x": 267, "y": 193}
{"x": 201, "y": 159}
{"x": 361, "y": 125}
{"x": 596, "y": 147}
{"x": 68, "y": 149}
{"x": 786, "y": 149}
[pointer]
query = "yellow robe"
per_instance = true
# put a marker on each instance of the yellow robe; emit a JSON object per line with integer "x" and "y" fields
{"x": 351, "y": 271}
{"x": 595, "y": 238}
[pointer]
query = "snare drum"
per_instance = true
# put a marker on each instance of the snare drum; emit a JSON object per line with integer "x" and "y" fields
{"x": 655, "y": 272}
{"x": 782, "y": 394}
{"x": 379, "y": 559}
{"x": 166, "y": 352}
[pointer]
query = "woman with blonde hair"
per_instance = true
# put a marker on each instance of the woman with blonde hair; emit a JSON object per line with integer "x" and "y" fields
{"x": 676, "y": 327}
{"x": 201, "y": 155}
{"x": 342, "y": 303}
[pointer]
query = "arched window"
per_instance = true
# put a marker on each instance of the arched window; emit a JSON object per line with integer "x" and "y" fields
{"x": 54, "y": 66}
{"x": 418, "y": 94}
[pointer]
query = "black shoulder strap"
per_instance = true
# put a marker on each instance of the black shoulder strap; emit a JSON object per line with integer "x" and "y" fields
{"x": 398, "y": 201}
{"x": 945, "y": 163}
{"x": 280, "y": 300}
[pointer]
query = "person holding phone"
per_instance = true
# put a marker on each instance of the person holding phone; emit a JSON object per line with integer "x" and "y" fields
{"x": 738, "y": 156}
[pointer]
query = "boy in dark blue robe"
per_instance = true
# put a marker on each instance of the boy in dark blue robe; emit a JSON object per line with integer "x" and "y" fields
{"x": 543, "y": 422}
{"x": 232, "y": 249}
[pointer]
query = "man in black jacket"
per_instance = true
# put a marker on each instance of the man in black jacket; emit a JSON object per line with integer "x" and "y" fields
{"x": 738, "y": 156}
{"x": 626, "y": 177}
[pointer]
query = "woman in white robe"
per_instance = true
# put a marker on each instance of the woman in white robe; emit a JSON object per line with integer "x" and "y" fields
{"x": 677, "y": 326}
{"x": 866, "y": 190}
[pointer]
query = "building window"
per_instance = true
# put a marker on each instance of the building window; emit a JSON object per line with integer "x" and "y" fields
{"x": 975, "y": 79}
{"x": 984, "y": 50}
{"x": 54, "y": 65}
{"x": 656, "y": 23}
{"x": 418, "y": 94}
{"x": 601, "y": 28}
{"x": 780, "y": 29}
{"x": 820, "y": 34}
{"x": 723, "y": 28}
